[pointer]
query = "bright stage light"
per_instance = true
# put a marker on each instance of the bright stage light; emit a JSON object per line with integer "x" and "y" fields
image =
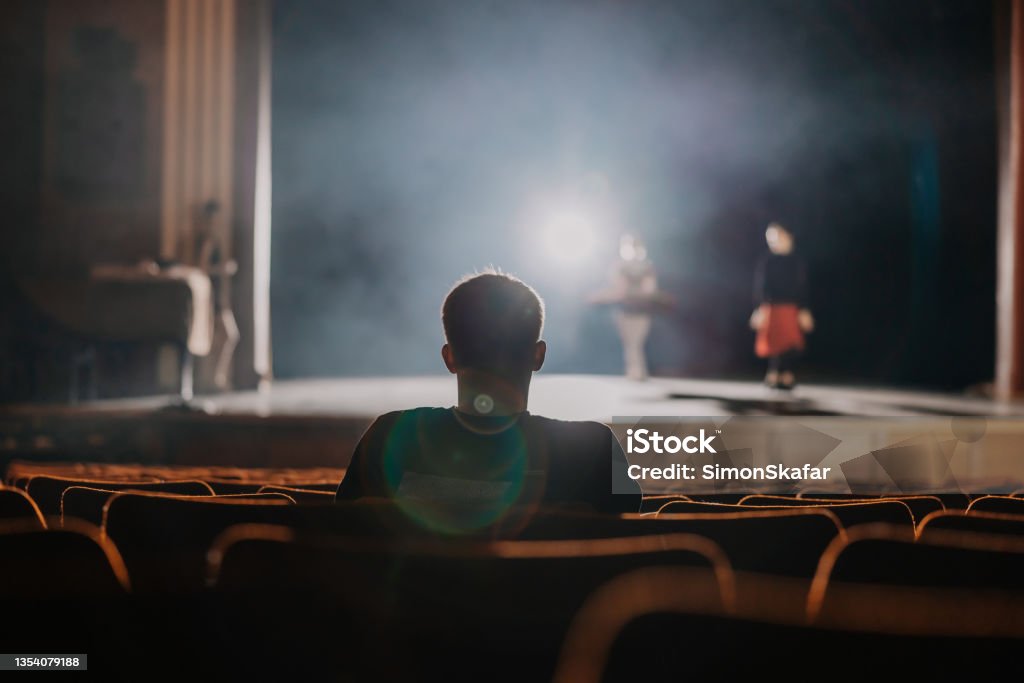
{"x": 569, "y": 237}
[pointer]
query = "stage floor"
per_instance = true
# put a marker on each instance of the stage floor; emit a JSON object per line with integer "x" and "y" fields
{"x": 576, "y": 397}
{"x": 317, "y": 422}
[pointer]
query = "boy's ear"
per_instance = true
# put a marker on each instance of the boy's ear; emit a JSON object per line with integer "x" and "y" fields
{"x": 539, "y": 352}
{"x": 449, "y": 358}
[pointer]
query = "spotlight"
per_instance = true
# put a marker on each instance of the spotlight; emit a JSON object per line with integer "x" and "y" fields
{"x": 568, "y": 237}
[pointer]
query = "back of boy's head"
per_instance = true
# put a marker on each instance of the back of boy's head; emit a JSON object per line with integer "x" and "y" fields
{"x": 492, "y": 321}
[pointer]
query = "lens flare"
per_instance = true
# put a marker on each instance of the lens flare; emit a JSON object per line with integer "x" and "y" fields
{"x": 428, "y": 479}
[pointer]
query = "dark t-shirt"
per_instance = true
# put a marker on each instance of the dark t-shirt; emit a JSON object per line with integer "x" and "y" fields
{"x": 445, "y": 456}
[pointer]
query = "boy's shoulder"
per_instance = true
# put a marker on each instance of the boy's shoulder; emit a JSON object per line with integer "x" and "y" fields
{"x": 574, "y": 430}
{"x": 412, "y": 413}
{"x": 582, "y": 430}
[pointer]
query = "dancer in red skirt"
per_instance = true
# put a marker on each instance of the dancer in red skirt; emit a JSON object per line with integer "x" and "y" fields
{"x": 781, "y": 318}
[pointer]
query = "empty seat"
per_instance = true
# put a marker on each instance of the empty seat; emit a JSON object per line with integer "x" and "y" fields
{"x": 836, "y": 495}
{"x": 888, "y": 555}
{"x": 164, "y": 538}
{"x": 975, "y": 522}
{"x": 645, "y": 626}
{"x": 329, "y": 486}
{"x": 15, "y": 504}
{"x": 75, "y": 562}
{"x": 920, "y": 506}
{"x": 67, "y": 587}
{"x": 1001, "y": 504}
{"x": 850, "y": 514}
{"x": 83, "y": 502}
{"x": 655, "y": 503}
{"x": 300, "y": 495}
{"x": 484, "y": 602}
{"x": 47, "y": 491}
{"x": 302, "y": 477}
{"x": 259, "y": 557}
{"x": 724, "y": 498}
{"x": 951, "y": 501}
{"x": 954, "y": 501}
{"x": 221, "y": 487}
{"x": 787, "y": 541}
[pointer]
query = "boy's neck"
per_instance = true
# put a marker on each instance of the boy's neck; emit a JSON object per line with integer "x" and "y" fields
{"x": 481, "y": 393}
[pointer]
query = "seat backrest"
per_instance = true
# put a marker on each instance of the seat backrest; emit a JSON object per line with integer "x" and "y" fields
{"x": 300, "y": 495}
{"x": 785, "y": 541}
{"x": 1002, "y": 504}
{"x": 920, "y": 506}
{"x": 47, "y": 491}
{"x": 230, "y": 486}
{"x": 312, "y": 485}
{"x": 86, "y": 502}
{"x": 261, "y": 557}
{"x": 888, "y": 555}
{"x": 725, "y": 498}
{"x": 974, "y": 522}
{"x": 850, "y": 514}
{"x": 491, "y": 598}
{"x": 16, "y": 504}
{"x": 74, "y": 562}
{"x": 656, "y": 502}
{"x": 949, "y": 500}
{"x": 164, "y": 538}
{"x": 223, "y": 488}
{"x": 834, "y": 495}
{"x": 646, "y": 626}
{"x": 954, "y": 501}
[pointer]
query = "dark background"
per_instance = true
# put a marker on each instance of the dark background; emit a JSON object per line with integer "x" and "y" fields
{"x": 416, "y": 141}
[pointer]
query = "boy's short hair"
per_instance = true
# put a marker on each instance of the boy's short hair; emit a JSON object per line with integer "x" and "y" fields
{"x": 492, "y": 321}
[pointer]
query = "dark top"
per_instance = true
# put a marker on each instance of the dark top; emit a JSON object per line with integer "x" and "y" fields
{"x": 780, "y": 279}
{"x": 442, "y": 455}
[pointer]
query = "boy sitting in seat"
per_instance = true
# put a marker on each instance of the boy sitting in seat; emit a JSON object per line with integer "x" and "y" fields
{"x": 488, "y": 451}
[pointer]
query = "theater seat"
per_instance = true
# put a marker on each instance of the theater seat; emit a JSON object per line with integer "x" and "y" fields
{"x": 975, "y": 522}
{"x": 67, "y": 588}
{"x": 466, "y": 610}
{"x": 888, "y": 555}
{"x": 84, "y": 502}
{"x": 645, "y": 626}
{"x": 164, "y": 538}
{"x": 951, "y": 501}
{"x": 47, "y": 491}
{"x": 74, "y": 562}
{"x": 228, "y": 488}
{"x": 785, "y": 541}
{"x": 850, "y": 514}
{"x": 19, "y": 472}
{"x": 1001, "y": 504}
{"x": 655, "y": 503}
{"x": 920, "y": 506}
{"x": 17, "y": 505}
{"x": 300, "y": 495}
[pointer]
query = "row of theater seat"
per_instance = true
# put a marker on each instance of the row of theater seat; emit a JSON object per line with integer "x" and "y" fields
{"x": 266, "y": 578}
{"x": 168, "y": 534}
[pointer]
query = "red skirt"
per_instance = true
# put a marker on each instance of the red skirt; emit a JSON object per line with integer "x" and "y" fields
{"x": 780, "y": 330}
